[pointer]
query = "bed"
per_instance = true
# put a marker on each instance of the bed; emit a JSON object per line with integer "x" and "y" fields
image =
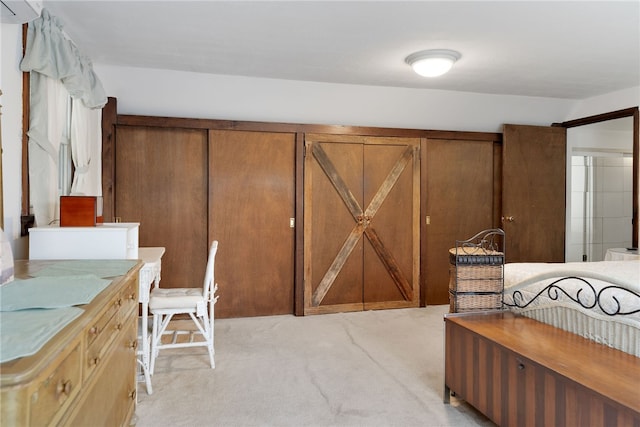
{"x": 597, "y": 300}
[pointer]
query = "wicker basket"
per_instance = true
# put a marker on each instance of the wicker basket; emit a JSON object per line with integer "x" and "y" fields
{"x": 476, "y": 276}
{"x": 478, "y": 272}
{"x": 474, "y": 302}
{"x": 475, "y": 286}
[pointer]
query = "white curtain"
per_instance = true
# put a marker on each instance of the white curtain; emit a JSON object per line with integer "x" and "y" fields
{"x": 86, "y": 150}
{"x": 46, "y": 134}
{"x": 50, "y": 54}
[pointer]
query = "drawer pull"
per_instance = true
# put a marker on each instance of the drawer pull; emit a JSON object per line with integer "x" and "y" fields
{"x": 63, "y": 390}
{"x": 119, "y": 302}
{"x": 133, "y": 344}
{"x": 94, "y": 331}
{"x": 94, "y": 361}
{"x": 521, "y": 366}
{"x": 132, "y": 394}
{"x": 131, "y": 297}
{"x": 119, "y": 327}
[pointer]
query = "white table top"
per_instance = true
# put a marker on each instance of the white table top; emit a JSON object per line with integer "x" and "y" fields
{"x": 150, "y": 255}
{"x": 621, "y": 254}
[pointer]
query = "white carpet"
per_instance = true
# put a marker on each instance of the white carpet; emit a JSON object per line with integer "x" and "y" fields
{"x": 374, "y": 368}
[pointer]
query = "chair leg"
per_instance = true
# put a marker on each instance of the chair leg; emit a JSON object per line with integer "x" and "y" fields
{"x": 204, "y": 324}
{"x": 211, "y": 359}
{"x": 154, "y": 344}
{"x": 209, "y": 338}
{"x": 160, "y": 323}
{"x": 147, "y": 377}
{"x": 206, "y": 330}
{"x": 210, "y": 332}
{"x": 144, "y": 358}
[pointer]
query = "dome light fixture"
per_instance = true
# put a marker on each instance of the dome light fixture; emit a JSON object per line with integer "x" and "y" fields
{"x": 432, "y": 63}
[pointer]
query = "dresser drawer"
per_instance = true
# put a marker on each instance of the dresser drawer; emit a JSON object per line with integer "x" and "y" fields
{"x": 128, "y": 300}
{"x": 57, "y": 391}
{"x": 116, "y": 386}
{"x": 107, "y": 328}
{"x": 96, "y": 352}
{"x": 102, "y": 326}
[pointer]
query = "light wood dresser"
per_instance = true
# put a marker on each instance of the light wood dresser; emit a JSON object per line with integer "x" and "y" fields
{"x": 86, "y": 374}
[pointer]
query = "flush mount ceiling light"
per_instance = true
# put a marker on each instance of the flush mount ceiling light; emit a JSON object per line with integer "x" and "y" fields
{"x": 432, "y": 63}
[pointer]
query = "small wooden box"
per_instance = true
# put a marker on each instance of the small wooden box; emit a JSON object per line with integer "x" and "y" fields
{"x": 78, "y": 211}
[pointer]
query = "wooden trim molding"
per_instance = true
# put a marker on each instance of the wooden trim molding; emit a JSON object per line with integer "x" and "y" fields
{"x": 26, "y": 109}
{"x": 109, "y": 118}
{"x": 635, "y": 172}
{"x": 299, "y": 229}
{"x": 627, "y": 112}
{"x": 177, "y": 122}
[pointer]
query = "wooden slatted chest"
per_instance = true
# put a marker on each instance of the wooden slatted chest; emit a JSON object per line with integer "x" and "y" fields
{"x": 521, "y": 372}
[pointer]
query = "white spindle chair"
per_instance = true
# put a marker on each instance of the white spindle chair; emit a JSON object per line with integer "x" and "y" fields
{"x": 198, "y": 303}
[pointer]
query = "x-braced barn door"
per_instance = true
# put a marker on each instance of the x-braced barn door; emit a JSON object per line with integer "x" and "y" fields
{"x": 361, "y": 223}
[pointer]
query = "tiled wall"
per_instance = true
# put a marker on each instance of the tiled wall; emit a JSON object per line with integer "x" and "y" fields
{"x": 606, "y": 218}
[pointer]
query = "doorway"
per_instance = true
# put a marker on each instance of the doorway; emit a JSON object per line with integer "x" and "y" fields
{"x": 600, "y": 188}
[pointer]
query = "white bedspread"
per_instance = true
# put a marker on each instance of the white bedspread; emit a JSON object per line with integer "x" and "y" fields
{"x": 598, "y": 300}
{"x": 624, "y": 273}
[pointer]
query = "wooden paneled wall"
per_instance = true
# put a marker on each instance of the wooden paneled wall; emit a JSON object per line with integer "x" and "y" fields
{"x": 222, "y": 137}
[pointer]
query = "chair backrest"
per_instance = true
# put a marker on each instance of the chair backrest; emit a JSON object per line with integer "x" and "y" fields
{"x": 209, "y": 273}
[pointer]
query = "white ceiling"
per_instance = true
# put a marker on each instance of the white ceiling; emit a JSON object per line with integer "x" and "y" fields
{"x": 574, "y": 49}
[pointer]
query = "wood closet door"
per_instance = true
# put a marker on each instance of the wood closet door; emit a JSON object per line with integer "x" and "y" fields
{"x": 161, "y": 182}
{"x": 533, "y": 197}
{"x": 459, "y": 192}
{"x": 361, "y": 223}
{"x": 252, "y": 200}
